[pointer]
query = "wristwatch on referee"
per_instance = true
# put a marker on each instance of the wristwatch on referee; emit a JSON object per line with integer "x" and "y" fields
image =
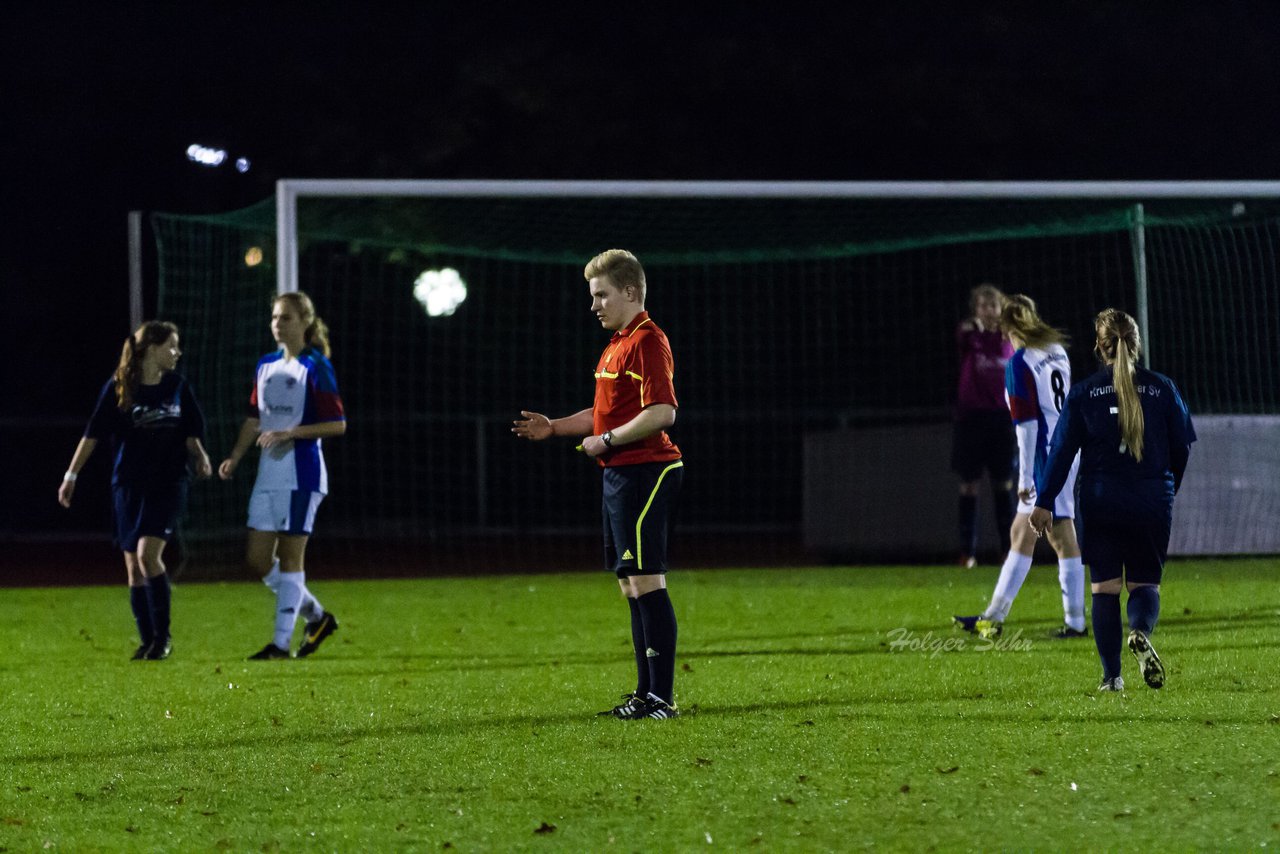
{"x": 607, "y": 438}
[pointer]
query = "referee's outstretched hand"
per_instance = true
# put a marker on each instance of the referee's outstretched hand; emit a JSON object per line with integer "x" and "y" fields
{"x": 535, "y": 426}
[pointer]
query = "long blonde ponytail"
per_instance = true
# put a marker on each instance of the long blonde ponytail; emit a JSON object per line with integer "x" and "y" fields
{"x": 1120, "y": 345}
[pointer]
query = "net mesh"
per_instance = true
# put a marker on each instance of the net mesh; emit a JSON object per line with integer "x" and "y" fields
{"x": 787, "y": 317}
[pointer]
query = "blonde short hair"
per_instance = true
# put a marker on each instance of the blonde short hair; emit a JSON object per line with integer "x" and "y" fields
{"x": 622, "y": 268}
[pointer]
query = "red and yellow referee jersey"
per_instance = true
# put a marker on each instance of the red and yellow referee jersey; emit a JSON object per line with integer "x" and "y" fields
{"x": 635, "y": 371}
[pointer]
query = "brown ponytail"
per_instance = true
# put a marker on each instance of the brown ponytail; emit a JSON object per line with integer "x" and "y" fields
{"x": 1120, "y": 345}
{"x": 129, "y": 371}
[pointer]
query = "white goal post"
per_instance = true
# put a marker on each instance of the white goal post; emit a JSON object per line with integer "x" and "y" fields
{"x": 1224, "y": 508}
{"x": 826, "y": 278}
{"x": 290, "y": 190}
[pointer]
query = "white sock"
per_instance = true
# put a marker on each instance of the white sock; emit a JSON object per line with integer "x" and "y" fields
{"x": 1012, "y": 574}
{"x": 272, "y": 578}
{"x": 288, "y": 598}
{"x": 1071, "y": 579}
{"x": 310, "y": 610}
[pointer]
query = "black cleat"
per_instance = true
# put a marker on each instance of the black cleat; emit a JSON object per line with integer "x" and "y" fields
{"x": 1115, "y": 683}
{"x": 315, "y": 633}
{"x": 159, "y": 650}
{"x": 654, "y": 708}
{"x": 1068, "y": 632}
{"x": 141, "y": 652}
{"x": 270, "y": 652}
{"x": 969, "y": 624}
{"x": 1149, "y": 664}
{"x": 630, "y": 703}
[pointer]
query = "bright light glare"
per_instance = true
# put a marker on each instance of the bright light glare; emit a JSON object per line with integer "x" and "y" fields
{"x": 253, "y": 256}
{"x": 440, "y": 292}
{"x": 205, "y": 156}
{"x": 242, "y": 165}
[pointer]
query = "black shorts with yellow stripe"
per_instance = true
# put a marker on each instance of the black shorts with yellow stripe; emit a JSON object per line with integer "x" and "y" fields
{"x": 639, "y": 505}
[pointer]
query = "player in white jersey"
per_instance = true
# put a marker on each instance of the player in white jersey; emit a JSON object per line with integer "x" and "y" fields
{"x": 293, "y": 407}
{"x": 1037, "y": 379}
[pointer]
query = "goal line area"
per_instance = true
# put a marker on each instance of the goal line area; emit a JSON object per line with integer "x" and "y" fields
{"x": 795, "y": 312}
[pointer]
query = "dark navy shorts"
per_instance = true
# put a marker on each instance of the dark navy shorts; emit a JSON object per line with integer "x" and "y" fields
{"x": 1134, "y": 550}
{"x": 151, "y": 511}
{"x": 984, "y": 441}
{"x": 639, "y": 504}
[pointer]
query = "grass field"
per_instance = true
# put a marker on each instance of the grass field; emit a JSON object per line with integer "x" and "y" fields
{"x": 824, "y": 710}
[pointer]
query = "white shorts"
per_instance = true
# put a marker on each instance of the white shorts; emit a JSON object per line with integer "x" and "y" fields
{"x": 284, "y": 511}
{"x": 1064, "y": 506}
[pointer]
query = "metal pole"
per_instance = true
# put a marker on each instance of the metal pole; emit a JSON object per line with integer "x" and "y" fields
{"x": 482, "y": 476}
{"x": 1126, "y": 190}
{"x": 286, "y": 238}
{"x": 135, "y": 270}
{"x": 1140, "y": 275}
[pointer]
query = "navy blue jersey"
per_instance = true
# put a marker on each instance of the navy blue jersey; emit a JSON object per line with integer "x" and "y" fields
{"x": 1111, "y": 480}
{"x": 149, "y": 441}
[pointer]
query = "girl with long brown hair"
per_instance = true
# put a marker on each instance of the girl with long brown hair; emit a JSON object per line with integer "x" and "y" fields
{"x": 150, "y": 415}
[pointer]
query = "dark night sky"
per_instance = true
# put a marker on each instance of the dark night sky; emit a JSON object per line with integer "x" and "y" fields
{"x": 101, "y": 100}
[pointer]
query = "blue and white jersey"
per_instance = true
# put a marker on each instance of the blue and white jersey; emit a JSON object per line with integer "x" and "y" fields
{"x": 1036, "y": 382}
{"x": 290, "y": 393}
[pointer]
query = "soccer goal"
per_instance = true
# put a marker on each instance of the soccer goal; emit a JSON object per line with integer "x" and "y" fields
{"x": 812, "y": 327}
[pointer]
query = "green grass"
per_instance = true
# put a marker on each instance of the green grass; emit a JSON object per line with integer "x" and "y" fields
{"x": 459, "y": 715}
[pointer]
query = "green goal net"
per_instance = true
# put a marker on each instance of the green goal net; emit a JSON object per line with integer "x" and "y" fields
{"x": 787, "y": 317}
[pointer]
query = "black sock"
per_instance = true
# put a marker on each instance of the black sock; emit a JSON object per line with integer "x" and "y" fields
{"x": 969, "y": 525}
{"x": 1106, "y": 632}
{"x": 1004, "y": 516}
{"x": 141, "y": 604}
{"x": 637, "y": 641}
{"x": 660, "y": 641}
{"x": 1144, "y": 608}
{"x": 160, "y": 595}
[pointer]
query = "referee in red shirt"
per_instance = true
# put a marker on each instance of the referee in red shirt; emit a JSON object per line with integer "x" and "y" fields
{"x": 625, "y": 432}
